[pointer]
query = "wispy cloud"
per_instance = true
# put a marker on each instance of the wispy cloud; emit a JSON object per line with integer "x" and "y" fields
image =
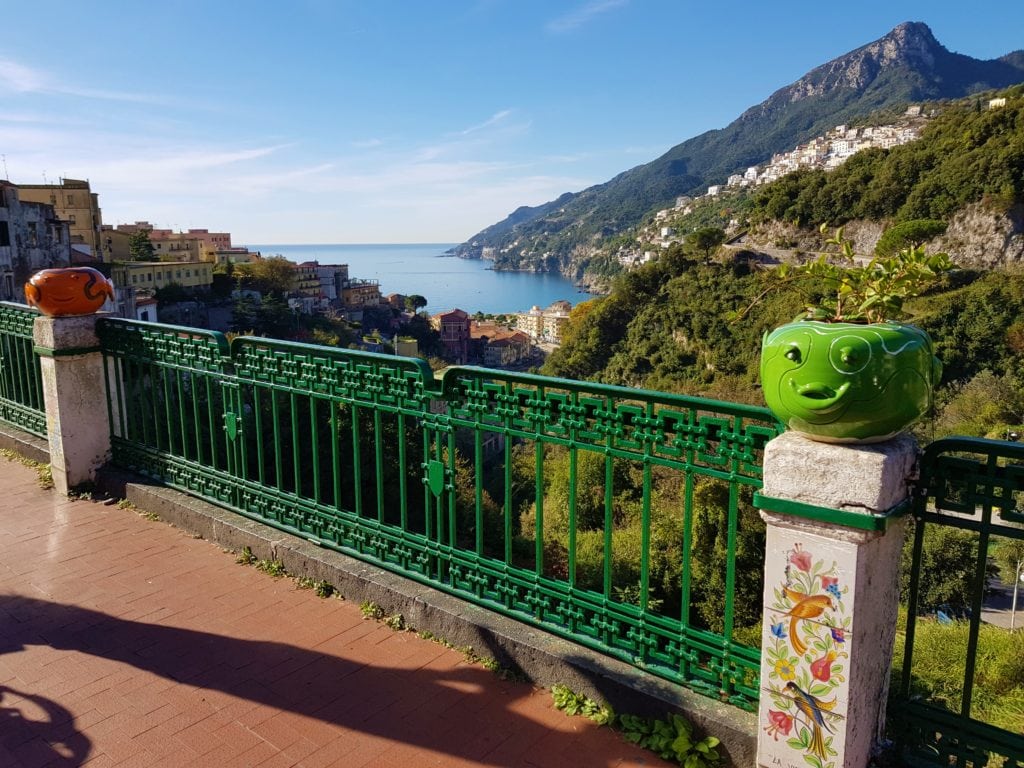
{"x": 19, "y": 78}
{"x": 495, "y": 119}
{"x": 368, "y": 143}
{"x": 582, "y": 15}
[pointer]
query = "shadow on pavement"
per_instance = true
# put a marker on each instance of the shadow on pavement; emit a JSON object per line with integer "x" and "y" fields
{"x": 466, "y": 712}
{"x": 51, "y": 741}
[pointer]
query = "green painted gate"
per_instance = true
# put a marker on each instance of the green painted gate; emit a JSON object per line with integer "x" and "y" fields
{"x": 959, "y": 697}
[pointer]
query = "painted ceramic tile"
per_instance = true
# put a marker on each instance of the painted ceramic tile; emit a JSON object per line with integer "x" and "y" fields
{"x": 806, "y": 654}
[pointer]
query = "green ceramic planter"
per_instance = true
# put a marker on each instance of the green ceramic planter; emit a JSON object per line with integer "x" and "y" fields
{"x": 844, "y": 382}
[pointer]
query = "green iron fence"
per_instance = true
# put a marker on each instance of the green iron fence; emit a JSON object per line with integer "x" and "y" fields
{"x": 960, "y": 697}
{"x": 21, "y": 385}
{"x": 618, "y": 518}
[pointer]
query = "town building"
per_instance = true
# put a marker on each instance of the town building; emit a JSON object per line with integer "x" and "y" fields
{"x": 307, "y": 280}
{"x": 406, "y": 346}
{"x": 357, "y": 294}
{"x": 193, "y": 245}
{"x": 454, "y": 329}
{"x": 332, "y": 280}
{"x": 545, "y": 324}
{"x": 32, "y": 237}
{"x": 506, "y": 349}
{"x": 75, "y": 203}
{"x": 152, "y": 275}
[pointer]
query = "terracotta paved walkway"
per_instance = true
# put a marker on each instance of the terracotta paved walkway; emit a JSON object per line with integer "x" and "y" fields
{"x": 126, "y": 642}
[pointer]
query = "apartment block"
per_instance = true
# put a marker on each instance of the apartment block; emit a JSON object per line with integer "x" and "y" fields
{"x": 32, "y": 237}
{"x": 75, "y": 203}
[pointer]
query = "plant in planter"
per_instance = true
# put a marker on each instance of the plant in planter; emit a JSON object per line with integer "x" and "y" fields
{"x": 847, "y": 370}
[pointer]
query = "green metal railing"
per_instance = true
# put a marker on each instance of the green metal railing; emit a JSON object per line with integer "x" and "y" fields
{"x": 618, "y": 518}
{"x": 973, "y": 488}
{"x": 21, "y": 385}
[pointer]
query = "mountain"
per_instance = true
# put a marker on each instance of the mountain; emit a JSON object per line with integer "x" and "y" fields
{"x": 907, "y": 65}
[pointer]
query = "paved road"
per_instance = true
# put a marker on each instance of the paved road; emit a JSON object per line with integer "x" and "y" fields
{"x": 125, "y": 642}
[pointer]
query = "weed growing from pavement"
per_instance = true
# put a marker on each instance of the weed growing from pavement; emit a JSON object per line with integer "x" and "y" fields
{"x": 671, "y": 738}
{"x": 273, "y": 568}
{"x": 320, "y": 587}
{"x": 44, "y": 474}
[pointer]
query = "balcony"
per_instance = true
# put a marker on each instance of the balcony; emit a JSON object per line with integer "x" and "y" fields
{"x": 615, "y": 521}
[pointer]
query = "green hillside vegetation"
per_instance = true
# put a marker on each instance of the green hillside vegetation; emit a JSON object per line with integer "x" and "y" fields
{"x": 967, "y": 154}
{"x": 666, "y": 326}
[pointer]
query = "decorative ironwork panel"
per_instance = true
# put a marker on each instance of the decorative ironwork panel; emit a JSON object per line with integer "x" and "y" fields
{"x": 21, "y": 384}
{"x": 977, "y": 487}
{"x": 548, "y": 500}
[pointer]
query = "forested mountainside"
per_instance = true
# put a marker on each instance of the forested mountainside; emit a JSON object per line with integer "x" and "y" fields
{"x": 671, "y": 325}
{"x": 907, "y": 65}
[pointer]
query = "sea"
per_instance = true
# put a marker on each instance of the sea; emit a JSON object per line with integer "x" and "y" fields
{"x": 447, "y": 282}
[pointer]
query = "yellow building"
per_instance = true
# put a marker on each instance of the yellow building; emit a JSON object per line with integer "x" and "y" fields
{"x": 545, "y": 324}
{"x": 360, "y": 293}
{"x": 307, "y": 279}
{"x": 74, "y": 203}
{"x": 150, "y": 275}
{"x": 168, "y": 245}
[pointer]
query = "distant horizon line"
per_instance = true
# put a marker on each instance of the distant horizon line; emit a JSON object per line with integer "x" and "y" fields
{"x": 314, "y": 245}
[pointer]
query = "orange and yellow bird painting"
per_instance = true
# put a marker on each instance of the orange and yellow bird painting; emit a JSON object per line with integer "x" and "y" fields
{"x": 804, "y": 607}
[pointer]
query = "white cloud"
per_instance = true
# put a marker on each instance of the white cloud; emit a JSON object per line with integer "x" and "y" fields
{"x": 582, "y": 15}
{"x": 19, "y": 78}
{"x": 495, "y": 119}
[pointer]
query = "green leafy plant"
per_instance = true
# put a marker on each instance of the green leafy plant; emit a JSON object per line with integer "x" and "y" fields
{"x": 324, "y": 589}
{"x": 671, "y": 739}
{"x": 873, "y": 293}
{"x": 246, "y": 557}
{"x": 43, "y": 471}
{"x": 273, "y": 568}
{"x": 320, "y": 587}
{"x": 371, "y": 610}
{"x": 837, "y": 290}
{"x": 573, "y": 703}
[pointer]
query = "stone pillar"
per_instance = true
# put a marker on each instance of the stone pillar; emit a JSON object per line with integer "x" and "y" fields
{"x": 75, "y": 396}
{"x": 831, "y": 593}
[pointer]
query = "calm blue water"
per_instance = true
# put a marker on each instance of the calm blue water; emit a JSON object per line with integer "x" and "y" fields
{"x": 447, "y": 282}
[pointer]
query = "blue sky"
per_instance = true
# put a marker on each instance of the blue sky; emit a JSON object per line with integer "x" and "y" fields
{"x": 315, "y": 121}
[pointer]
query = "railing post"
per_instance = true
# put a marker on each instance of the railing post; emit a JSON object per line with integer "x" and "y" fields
{"x": 74, "y": 392}
{"x": 831, "y": 592}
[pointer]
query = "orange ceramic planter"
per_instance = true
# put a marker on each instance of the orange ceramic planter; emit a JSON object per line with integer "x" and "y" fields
{"x": 70, "y": 291}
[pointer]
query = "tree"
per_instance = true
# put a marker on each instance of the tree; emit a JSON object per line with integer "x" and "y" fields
{"x": 706, "y": 240}
{"x": 140, "y": 247}
{"x": 274, "y": 275}
{"x": 909, "y": 234}
{"x": 947, "y": 569}
{"x": 414, "y": 302}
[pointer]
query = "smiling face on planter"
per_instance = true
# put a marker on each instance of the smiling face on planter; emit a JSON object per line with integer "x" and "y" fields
{"x": 848, "y": 382}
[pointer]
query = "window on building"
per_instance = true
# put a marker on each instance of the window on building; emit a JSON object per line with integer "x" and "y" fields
{"x": 5, "y": 234}
{"x": 71, "y": 219}
{"x": 71, "y": 200}
{"x": 3, "y": 199}
{"x": 135, "y": 279}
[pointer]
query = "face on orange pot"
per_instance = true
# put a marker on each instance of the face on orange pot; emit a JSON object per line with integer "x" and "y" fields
{"x": 71, "y": 291}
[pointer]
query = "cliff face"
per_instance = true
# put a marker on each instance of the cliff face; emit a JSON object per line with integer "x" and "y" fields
{"x": 978, "y": 237}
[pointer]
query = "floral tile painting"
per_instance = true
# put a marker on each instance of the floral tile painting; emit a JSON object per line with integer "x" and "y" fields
{"x": 806, "y": 656}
